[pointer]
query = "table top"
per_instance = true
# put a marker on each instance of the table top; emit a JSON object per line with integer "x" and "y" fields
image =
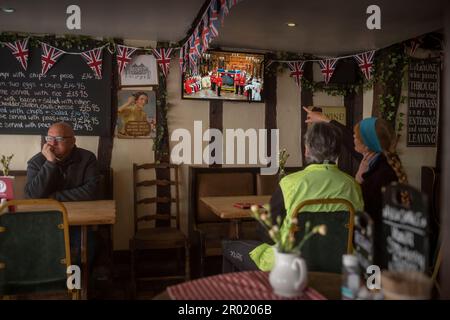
{"x": 82, "y": 213}
{"x": 251, "y": 284}
{"x": 224, "y": 206}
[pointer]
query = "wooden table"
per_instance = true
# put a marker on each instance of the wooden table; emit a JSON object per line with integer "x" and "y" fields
{"x": 225, "y": 209}
{"x": 84, "y": 214}
{"x": 327, "y": 284}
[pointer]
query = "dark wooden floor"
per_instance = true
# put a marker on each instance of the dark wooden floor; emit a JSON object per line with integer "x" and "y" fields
{"x": 112, "y": 281}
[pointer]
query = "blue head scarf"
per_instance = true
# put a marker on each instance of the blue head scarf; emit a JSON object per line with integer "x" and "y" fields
{"x": 369, "y": 134}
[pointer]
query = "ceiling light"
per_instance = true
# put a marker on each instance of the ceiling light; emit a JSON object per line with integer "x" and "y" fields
{"x": 8, "y": 10}
{"x": 291, "y": 24}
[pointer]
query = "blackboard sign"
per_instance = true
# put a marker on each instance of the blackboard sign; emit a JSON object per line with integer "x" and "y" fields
{"x": 405, "y": 235}
{"x": 363, "y": 240}
{"x": 31, "y": 102}
{"x": 423, "y": 102}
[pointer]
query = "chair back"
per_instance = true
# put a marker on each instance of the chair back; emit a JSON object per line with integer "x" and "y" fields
{"x": 146, "y": 201}
{"x": 325, "y": 253}
{"x": 34, "y": 247}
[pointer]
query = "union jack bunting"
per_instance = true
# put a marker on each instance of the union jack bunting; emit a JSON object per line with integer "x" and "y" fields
{"x": 224, "y": 11}
{"x": 415, "y": 44}
{"x": 197, "y": 44}
{"x": 232, "y": 3}
{"x": 365, "y": 63}
{"x": 192, "y": 55}
{"x": 123, "y": 56}
{"x": 205, "y": 33}
{"x": 327, "y": 66}
{"x": 94, "y": 60}
{"x": 19, "y": 50}
{"x": 163, "y": 58}
{"x": 181, "y": 59}
{"x": 49, "y": 57}
{"x": 296, "y": 70}
{"x": 213, "y": 21}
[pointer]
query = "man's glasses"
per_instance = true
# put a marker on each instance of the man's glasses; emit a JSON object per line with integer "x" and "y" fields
{"x": 57, "y": 139}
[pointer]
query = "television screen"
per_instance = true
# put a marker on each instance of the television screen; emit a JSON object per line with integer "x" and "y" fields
{"x": 226, "y": 75}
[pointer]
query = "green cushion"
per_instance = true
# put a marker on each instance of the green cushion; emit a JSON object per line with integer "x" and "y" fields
{"x": 32, "y": 248}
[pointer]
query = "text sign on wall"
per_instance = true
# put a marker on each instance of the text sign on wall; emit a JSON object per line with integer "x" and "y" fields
{"x": 405, "y": 232}
{"x": 423, "y": 102}
{"x": 30, "y": 102}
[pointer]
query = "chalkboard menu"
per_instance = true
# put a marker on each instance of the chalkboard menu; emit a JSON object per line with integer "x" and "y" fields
{"x": 363, "y": 240}
{"x": 423, "y": 102}
{"x": 405, "y": 235}
{"x": 31, "y": 102}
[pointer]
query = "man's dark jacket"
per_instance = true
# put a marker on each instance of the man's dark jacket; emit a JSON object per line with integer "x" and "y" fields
{"x": 75, "y": 178}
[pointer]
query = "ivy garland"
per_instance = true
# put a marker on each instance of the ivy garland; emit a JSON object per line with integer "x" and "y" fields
{"x": 390, "y": 65}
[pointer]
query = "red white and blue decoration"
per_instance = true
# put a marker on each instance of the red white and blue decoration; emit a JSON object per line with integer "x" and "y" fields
{"x": 163, "y": 58}
{"x": 123, "y": 56}
{"x": 94, "y": 60}
{"x": 296, "y": 71}
{"x": 20, "y": 51}
{"x": 50, "y": 55}
{"x": 327, "y": 67}
{"x": 365, "y": 63}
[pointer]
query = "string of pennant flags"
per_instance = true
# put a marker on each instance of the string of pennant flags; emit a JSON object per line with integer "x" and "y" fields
{"x": 190, "y": 52}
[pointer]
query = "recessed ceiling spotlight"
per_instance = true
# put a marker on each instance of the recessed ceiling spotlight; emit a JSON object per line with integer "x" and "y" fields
{"x": 291, "y": 24}
{"x": 8, "y": 10}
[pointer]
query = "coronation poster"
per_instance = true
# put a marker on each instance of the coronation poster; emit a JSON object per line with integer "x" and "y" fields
{"x": 423, "y": 103}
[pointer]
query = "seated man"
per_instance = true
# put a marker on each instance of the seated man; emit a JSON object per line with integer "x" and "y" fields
{"x": 320, "y": 179}
{"x": 64, "y": 172}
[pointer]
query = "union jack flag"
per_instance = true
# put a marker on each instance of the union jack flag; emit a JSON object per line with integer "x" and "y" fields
{"x": 365, "y": 63}
{"x": 197, "y": 44}
{"x": 124, "y": 56}
{"x": 94, "y": 60}
{"x": 296, "y": 70}
{"x": 19, "y": 50}
{"x": 213, "y": 21}
{"x": 205, "y": 33}
{"x": 163, "y": 58}
{"x": 224, "y": 11}
{"x": 192, "y": 55}
{"x": 327, "y": 66}
{"x": 49, "y": 57}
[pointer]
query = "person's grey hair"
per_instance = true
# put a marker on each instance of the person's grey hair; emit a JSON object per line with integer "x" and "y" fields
{"x": 323, "y": 141}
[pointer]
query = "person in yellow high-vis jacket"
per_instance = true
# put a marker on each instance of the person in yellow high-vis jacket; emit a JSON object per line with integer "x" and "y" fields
{"x": 320, "y": 179}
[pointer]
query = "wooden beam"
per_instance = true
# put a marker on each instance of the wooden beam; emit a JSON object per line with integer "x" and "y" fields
{"x": 216, "y": 120}
{"x": 445, "y": 162}
{"x": 305, "y": 100}
{"x": 270, "y": 96}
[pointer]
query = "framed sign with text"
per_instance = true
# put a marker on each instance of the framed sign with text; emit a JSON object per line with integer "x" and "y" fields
{"x": 423, "y": 103}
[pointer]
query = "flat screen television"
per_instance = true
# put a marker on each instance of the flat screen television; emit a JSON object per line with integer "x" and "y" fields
{"x": 226, "y": 75}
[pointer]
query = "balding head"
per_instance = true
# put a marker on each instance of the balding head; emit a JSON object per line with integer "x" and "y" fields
{"x": 57, "y": 131}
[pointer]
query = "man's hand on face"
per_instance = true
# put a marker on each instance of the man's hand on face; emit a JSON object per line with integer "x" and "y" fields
{"x": 47, "y": 151}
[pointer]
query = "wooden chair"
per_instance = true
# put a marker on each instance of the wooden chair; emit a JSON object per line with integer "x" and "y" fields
{"x": 325, "y": 253}
{"x": 150, "y": 237}
{"x": 34, "y": 249}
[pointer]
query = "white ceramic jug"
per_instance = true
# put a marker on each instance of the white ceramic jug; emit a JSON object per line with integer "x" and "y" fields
{"x": 289, "y": 275}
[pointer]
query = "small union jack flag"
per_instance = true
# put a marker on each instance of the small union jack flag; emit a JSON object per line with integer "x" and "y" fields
{"x": 124, "y": 56}
{"x": 19, "y": 50}
{"x": 224, "y": 11}
{"x": 163, "y": 58}
{"x": 205, "y": 33}
{"x": 192, "y": 55}
{"x": 94, "y": 60}
{"x": 365, "y": 63}
{"x": 49, "y": 57}
{"x": 213, "y": 21}
{"x": 327, "y": 66}
{"x": 296, "y": 71}
{"x": 197, "y": 44}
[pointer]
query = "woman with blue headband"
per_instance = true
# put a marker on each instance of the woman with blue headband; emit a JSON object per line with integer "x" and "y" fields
{"x": 373, "y": 143}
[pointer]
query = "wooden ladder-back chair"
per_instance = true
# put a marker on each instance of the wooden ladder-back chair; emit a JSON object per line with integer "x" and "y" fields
{"x": 34, "y": 249}
{"x": 156, "y": 237}
{"x": 324, "y": 253}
